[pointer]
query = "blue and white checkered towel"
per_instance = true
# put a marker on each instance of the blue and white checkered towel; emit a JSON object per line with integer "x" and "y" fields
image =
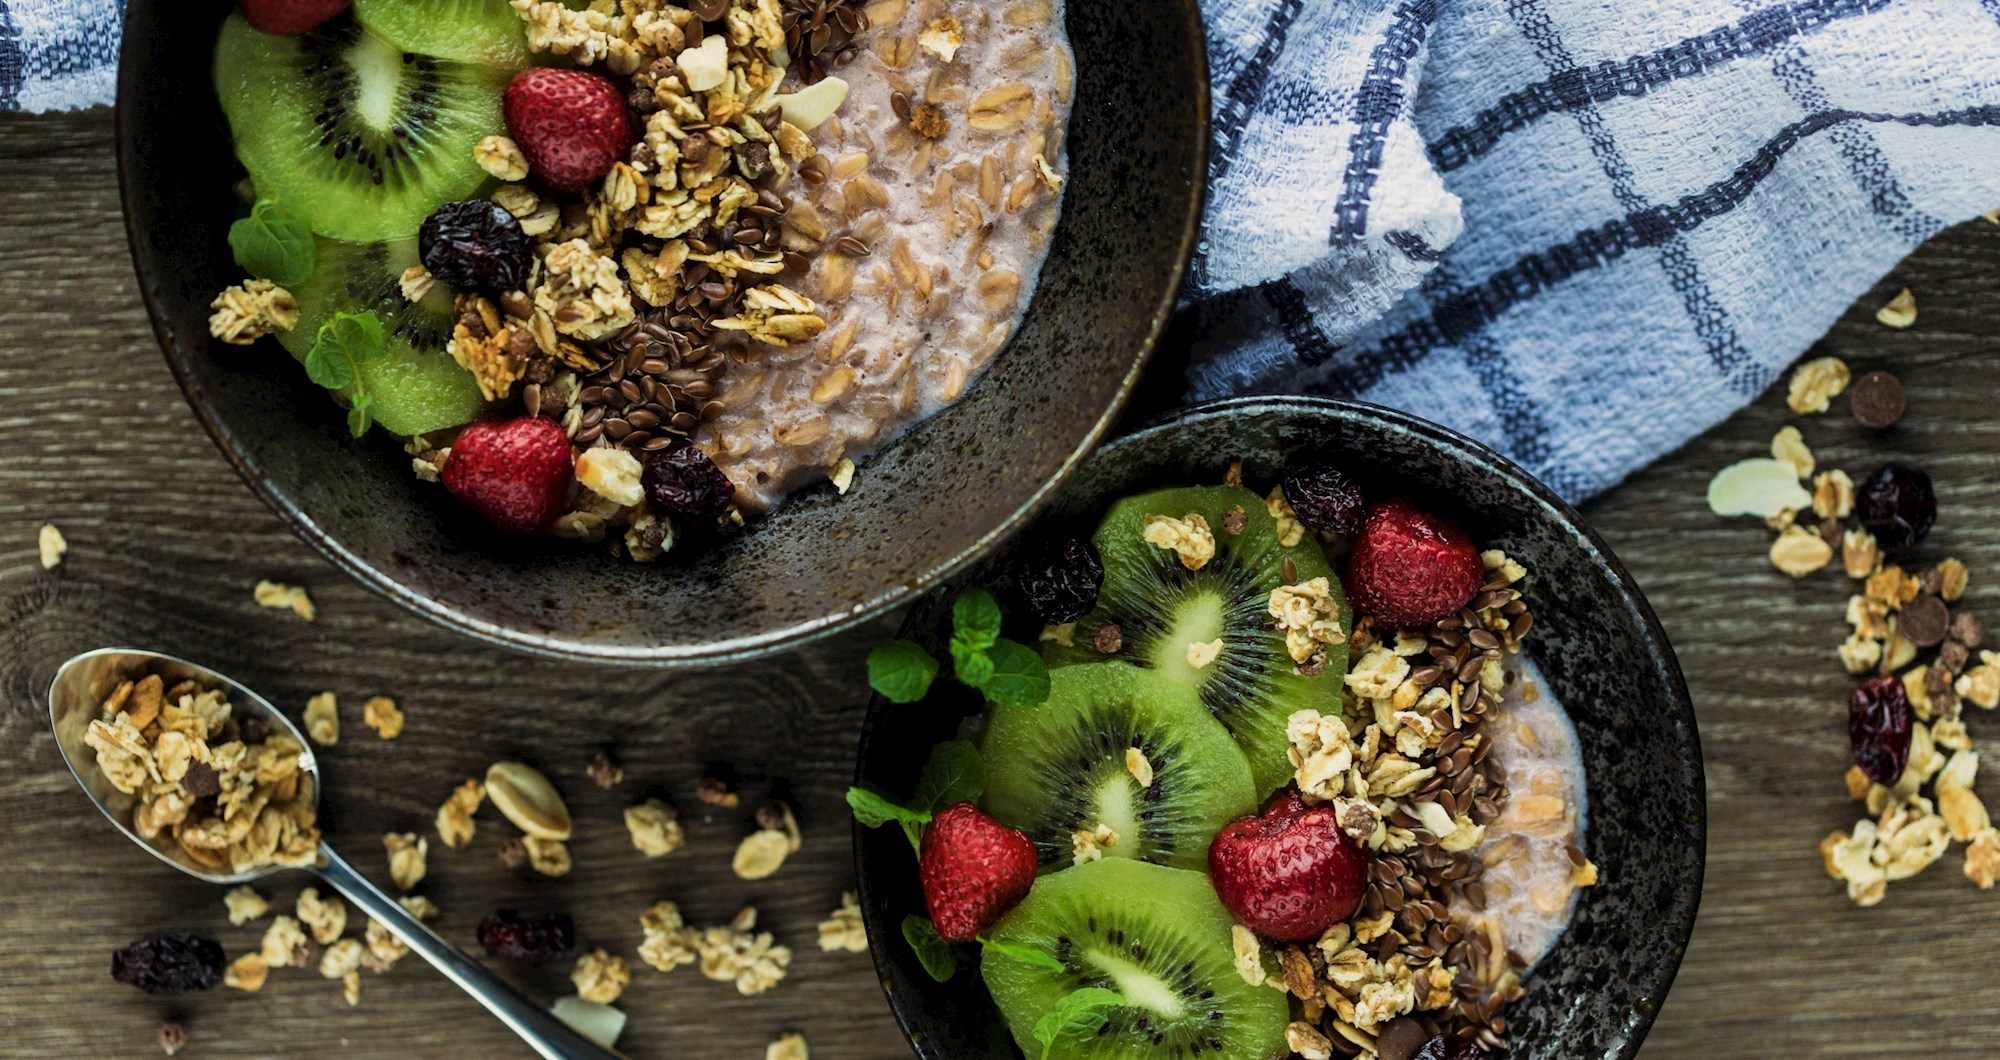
{"x": 1581, "y": 230}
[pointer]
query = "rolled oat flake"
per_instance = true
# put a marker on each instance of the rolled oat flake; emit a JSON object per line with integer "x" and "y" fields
{"x": 1876, "y": 399}
{"x": 1923, "y": 621}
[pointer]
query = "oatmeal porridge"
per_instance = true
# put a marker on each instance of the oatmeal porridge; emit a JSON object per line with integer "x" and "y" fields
{"x": 937, "y": 187}
{"x": 1532, "y": 850}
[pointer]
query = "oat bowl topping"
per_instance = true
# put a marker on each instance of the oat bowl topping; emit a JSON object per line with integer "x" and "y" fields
{"x": 1294, "y": 729}
{"x": 648, "y": 278}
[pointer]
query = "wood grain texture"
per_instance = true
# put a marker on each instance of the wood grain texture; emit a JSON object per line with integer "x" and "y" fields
{"x": 166, "y": 543}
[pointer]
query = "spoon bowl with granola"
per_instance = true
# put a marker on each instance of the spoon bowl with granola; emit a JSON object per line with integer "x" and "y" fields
{"x": 581, "y": 327}
{"x": 1301, "y": 728}
{"x": 210, "y": 778}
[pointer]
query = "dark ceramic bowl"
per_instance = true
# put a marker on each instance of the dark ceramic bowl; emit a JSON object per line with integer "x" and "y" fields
{"x": 1595, "y": 639}
{"x": 922, "y": 508}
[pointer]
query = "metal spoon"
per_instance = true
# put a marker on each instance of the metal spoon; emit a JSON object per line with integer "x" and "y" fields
{"x": 76, "y": 696}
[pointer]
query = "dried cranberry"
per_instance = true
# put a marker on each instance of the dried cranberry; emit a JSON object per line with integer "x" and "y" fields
{"x": 1325, "y": 499}
{"x": 534, "y": 939}
{"x": 683, "y": 482}
{"x": 1450, "y": 1047}
{"x": 1878, "y": 725}
{"x": 476, "y": 246}
{"x": 169, "y": 964}
{"x": 1896, "y": 504}
{"x": 1060, "y": 579}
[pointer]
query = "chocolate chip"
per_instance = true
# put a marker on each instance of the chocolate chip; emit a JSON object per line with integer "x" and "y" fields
{"x": 1876, "y": 399}
{"x": 201, "y": 780}
{"x": 1924, "y": 621}
{"x": 1400, "y": 1038}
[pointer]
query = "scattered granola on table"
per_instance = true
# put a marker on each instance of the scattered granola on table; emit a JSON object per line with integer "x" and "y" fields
{"x": 49, "y": 542}
{"x": 843, "y": 929}
{"x": 732, "y": 953}
{"x": 1918, "y": 652}
{"x": 282, "y": 596}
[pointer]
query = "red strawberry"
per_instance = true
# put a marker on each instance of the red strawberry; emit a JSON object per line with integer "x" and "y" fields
{"x": 1408, "y": 568}
{"x": 290, "y": 17}
{"x": 1289, "y": 873}
{"x": 516, "y": 473}
{"x": 973, "y": 868}
{"x": 571, "y": 124}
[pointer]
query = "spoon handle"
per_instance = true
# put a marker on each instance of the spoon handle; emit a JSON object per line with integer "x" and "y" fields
{"x": 547, "y": 1035}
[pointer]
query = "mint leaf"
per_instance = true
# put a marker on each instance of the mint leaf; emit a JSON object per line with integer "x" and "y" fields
{"x": 971, "y": 665}
{"x": 975, "y": 619}
{"x": 1018, "y": 679}
{"x": 901, "y": 671}
{"x": 874, "y": 811}
{"x": 344, "y": 343}
{"x": 1032, "y": 956}
{"x": 359, "y": 418}
{"x": 954, "y": 774}
{"x": 933, "y": 952}
{"x": 1079, "y": 1015}
{"x": 274, "y": 243}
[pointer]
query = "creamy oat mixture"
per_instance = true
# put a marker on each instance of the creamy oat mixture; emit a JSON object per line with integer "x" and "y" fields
{"x": 937, "y": 188}
{"x": 1531, "y": 876}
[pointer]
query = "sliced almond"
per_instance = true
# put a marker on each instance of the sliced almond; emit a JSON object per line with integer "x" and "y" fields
{"x": 813, "y": 104}
{"x": 1762, "y": 486}
{"x": 528, "y": 800}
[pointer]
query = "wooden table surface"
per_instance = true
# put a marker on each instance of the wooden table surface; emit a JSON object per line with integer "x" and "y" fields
{"x": 166, "y": 543}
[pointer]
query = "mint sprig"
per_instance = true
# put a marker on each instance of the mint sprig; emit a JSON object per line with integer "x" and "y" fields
{"x": 274, "y": 243}
{"x": 1079, "y": 1015}
{"x": 345, "y": 342}
{"x": 1008, "y": 673}
{"x": 955, "y": 773}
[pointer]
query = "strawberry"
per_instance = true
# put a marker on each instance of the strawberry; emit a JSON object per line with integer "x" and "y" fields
{"x": 1408, "y": 568}
{"x": 290, "y": 17}
{"x": 571, "y": 124}
{"x": 973, "y": 869}
{"x": 1288, "y": 873}
{"x": 515, "y": 473}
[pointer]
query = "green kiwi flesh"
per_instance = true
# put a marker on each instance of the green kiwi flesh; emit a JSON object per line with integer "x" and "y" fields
{"x": 366, "y": 140}
{"x": 417, "y": 387}
{"x": 1062, "y": 768}
{"x": 1156, "y": 935}
{"x": 467, "y": 31}
{"x": 1160, "y": 608}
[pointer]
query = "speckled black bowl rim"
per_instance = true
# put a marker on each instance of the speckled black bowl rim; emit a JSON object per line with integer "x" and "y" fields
{"x": 715, "y": 653}
{"x": 1658, "y": 650}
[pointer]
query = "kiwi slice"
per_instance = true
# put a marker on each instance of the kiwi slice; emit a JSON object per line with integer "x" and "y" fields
{"x": 466, "y": 31}
{"x": 1160, "y": 608}
{"x": 365, "y": 139}
{"x": 417, "y": 387}
{"x": 1156, "y": 935}
{"x": 1062, "y": 768}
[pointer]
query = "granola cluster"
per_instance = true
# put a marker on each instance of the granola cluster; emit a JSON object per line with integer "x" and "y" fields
{"x": 229, "y": 792}
{"x": 731, "y": 953}
{"x": 1406, "y": 763}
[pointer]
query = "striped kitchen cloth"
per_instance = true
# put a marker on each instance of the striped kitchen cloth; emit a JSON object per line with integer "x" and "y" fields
{"x": 1582, "y": 231}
